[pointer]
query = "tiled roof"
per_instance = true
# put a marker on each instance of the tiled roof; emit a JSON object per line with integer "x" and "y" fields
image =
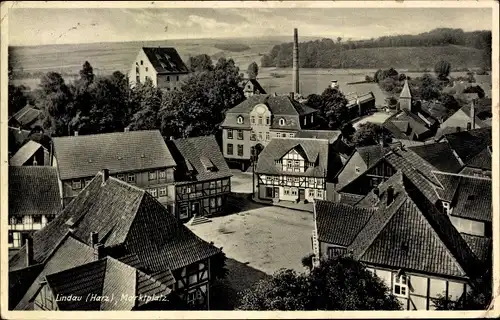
{"x": 372, "y": 154}
{"x": 83, "y": 156}
{"x": 467, "y": 144}
{"x": 405, "y": 93}
{"x": 24, "y": 153}
{"x": 33, "y": 190}
{"x": 20, "y": 281}
{"x": 20, "y": 135}
{"x": 330, "y": 135}
{"x": 339, "y": 223}
{"x": 200, "y": 153}
{"x": 411, "y": 234}
{"x": 435, "y": 109}
{"x": 106, "y": 277}
{"x": 482, "y": 160}
{"x": 439, "y": 155}
{"x": 398, "y": 121}
{"x": 256, "y": 86}
{"x": 67, "y": 254}
{"x": 470, "y": 196}
{"x": 26, "y": 115}
{"x": 165, "y": 60}
{"x": 124, "y": 215}
{"x": 327, "y": 161}
{"x": 481, "y": 246}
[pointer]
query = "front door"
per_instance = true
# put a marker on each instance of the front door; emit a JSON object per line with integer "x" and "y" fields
{"x": 276, "y": 192}
{"x": 302, "y": 194}
{"x": 195, "y": 208}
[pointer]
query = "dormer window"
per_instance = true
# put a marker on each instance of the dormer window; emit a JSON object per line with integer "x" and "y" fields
{"x": 239, "y": 120}
{"x": 282, "y": 122}
{"x": 446, "y": 207}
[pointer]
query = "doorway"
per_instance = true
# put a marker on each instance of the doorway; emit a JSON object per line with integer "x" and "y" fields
{"x": 302, "y": 194}
{"x": 195, "y": 208}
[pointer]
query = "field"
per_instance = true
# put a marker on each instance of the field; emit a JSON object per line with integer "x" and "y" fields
{"x": 33, "y": 61}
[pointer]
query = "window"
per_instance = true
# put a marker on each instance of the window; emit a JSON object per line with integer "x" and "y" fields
{"x": 163, "y": 192}
{"x": 252, "y": 119}
{"x": 121, "y": 176}
{"x": 239, "y": 120}
{"x": 183, "y": 213}
{"x": 212, "y": 184}
{"x": 131, "y": 178}
{"x": 146, "y": 68}
{"x": 219, "y": 201}
{"x": 296, "y": 180}
{"x": 76, "y": 184}
{"x": 286, "y": 191}
{"x": 268, "y": 137}
{"x": 153, "y": 192}
{"x": 212, "y": 202}
{"x": 282, "y": 122}
{"x": 142, "y": 62}
{"x": 294, "y": 191}
{"x": 153, "y": 175}
{"x": 446, "y": 207}
{"x": 240, "y": 150}
{"x": 37, "y": 219}
{"x": 252, "y": 136}
{"x": 168, "y": 78}
{"x": 16, "y": 220}
{"x": 357, "y": 170}
{"x": 278, "y": 134}
{"x": 177, "y": 78}
{"x": 289, "y": 163}
{"x": 229, "y": 133}
{"x": 87, "y": 181}
{"x": 240, "y": 134}
{"x": 268, "y": 120}
{"x": 191, "y": 298}
{"x": 320, "y": 194}
{"x": 296, "y": 163}
{"x": 163, "y": 174}
{"x": 28, "y": 220}
{"x": 311, "y": 193}
{"x": 17, "y": 239}
{"x": 400, "y": 285}
{"x": 260, "y": 135}
{"x": 305, "y": 120}
{"x": 335, "y": 252}
{"x": 291, "y": 135}
{"x": 230, "y": 149}
{"x": 312, "y": 118}
{"x": 260, "y": 120}
{"x": 11, "y": 238}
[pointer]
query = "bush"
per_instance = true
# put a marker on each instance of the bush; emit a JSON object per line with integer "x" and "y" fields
{"x": 307, "y": 260}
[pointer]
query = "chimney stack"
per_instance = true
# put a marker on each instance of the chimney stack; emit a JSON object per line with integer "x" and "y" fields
{"x": 292, "y": 96}
{"x": 76, "y": 133}
{"x": 105, "y": 175}
{"x": 98, "y": 251}
{"x": 296, "y": 61}
{"x": 390, "y": 195}
{"x": 94, "y": 238}
{"x": 473, "y": 114}
{"x": 29, "y": 251}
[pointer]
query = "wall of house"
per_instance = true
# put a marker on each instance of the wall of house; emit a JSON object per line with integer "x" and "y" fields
{"x": 193, "y": 284}
{"x": 422, "y": 288}
{"x": 45, "y": 300}
{"x": 352, "y": 169}
{"x": 260, "y": 121}
{"x": 170, "y": 82}
{"x": 21, "y": 226}
{"x": 145, "y": 69}
{"x": 472, "y": 227}
{"x": 313, "y": 187}
{"x": 235, "y": 142}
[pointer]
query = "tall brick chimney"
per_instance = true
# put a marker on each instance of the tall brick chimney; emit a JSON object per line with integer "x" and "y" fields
{"x": 296, "y": 61}
{"x": 473, "y": 114}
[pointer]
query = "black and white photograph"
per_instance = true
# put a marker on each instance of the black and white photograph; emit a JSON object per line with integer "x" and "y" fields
{"x": 249, "y": 156}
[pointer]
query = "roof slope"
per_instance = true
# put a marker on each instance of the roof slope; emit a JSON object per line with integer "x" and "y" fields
{"x": 439, "y": 155}
{"x": 330, "y": 135}
{"x": 123, "y": 215}
{"x": 200, "y": 153}
{"x": 33, "y": 190}
{"x": 410, "y": 233}
{"x": 84, "y": 156}
{"x": 26, "y": 115}
{"x": 165, "y": 60}
{"x": 256, "y": 86}
{"x": 24, "y": 153}
{"x": 470, "y": 196}
{"x": 106, "y": 277}
{"x": 405, "y": 93}
{"x": 468, "y": 144}
{"x": 339, "y": 223}
{"x": 481, "y": 246}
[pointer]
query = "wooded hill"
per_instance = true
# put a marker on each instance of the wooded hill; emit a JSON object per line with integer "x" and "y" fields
{"x": 461, "y": 49}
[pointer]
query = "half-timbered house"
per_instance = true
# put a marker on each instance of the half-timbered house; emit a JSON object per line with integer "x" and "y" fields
{"x": 203, "y": 179}
{"x": 116, "y": 219}
{"x": 297, "y": 170}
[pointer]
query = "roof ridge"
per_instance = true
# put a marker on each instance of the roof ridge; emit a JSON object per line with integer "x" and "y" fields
{"x": 461, "y": 175}
{"x": 106, "y": 133}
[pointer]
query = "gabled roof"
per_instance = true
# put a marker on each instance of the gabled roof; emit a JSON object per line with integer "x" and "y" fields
{"x": 411, "y": 234}
{"x": 400, "y": 121}
{"x": 20, "y": 135}
{"x": 200, "y": 153}
{"x": 256, "y": 87}
{"x": 439, "y": 155}
{"x": 313, "y": 149}
{"x": 481, "y": 246}
{"x": 33, "y": 190}
{"x": 165, "y": 60}
{"x": 459, "y": 119}
{"x": 123, "y": 216}
{"x": 405, "y": 93}
{"x": 372, "y": 154}
{"x": 105, "y": 278}
{"x": 467, "y": 144}
{"x": 470, "y": 196}
{"x": 26, "y": 115}
{"x": 24, "y": 153}
{"x": 85, "y": 155}
{"x": 339, "y": 223}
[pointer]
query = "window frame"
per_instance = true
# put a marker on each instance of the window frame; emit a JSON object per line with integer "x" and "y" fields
{"x": 153, "y": 192}
{"x": 229, "y": 149}
{"x": 239, "y": 134}
{"x": 162, "y": 192}
{"x": 268, "y": 136}
{"x": 282, "y": 122}
{"x": 239, "y": 120}
{"x": 162, "y": 174}
{"x": 76, "y": 184}
{"x": 240, "y": 147}
{"x": 230, "y": 133}
{"x": 153, "y": 175}
{"x": 131, "y": 178}
{"x": 400, "y": 281}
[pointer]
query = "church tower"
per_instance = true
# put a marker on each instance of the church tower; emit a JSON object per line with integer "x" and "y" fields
{"x": 405, "y": 97}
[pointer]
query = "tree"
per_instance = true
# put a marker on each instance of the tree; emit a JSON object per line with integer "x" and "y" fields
{"x": 340, "y": 283}
{"x": 430, "y": 88}
{"x": 17, "y": 98}
{"x": 475, "y": 89}
{"x": 347, "y": 131}
{"x": 442, "y": 69}
{"x": 148, "y": 100}
{"x": 368, "y": 134}
{"x": 253, "y": 70}
{"x": 474, "y": 300}
{"x": 87, "y": 73}
{"x": 201, "y": 62}
{"x": 333, "y": 108}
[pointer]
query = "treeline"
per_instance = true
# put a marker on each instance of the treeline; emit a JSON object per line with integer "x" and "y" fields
{"x": 324, "y": 53}
{"x": 101, "y": 104}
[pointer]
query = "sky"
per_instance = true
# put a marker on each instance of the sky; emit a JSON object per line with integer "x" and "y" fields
{"x": 36, "y": 26}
